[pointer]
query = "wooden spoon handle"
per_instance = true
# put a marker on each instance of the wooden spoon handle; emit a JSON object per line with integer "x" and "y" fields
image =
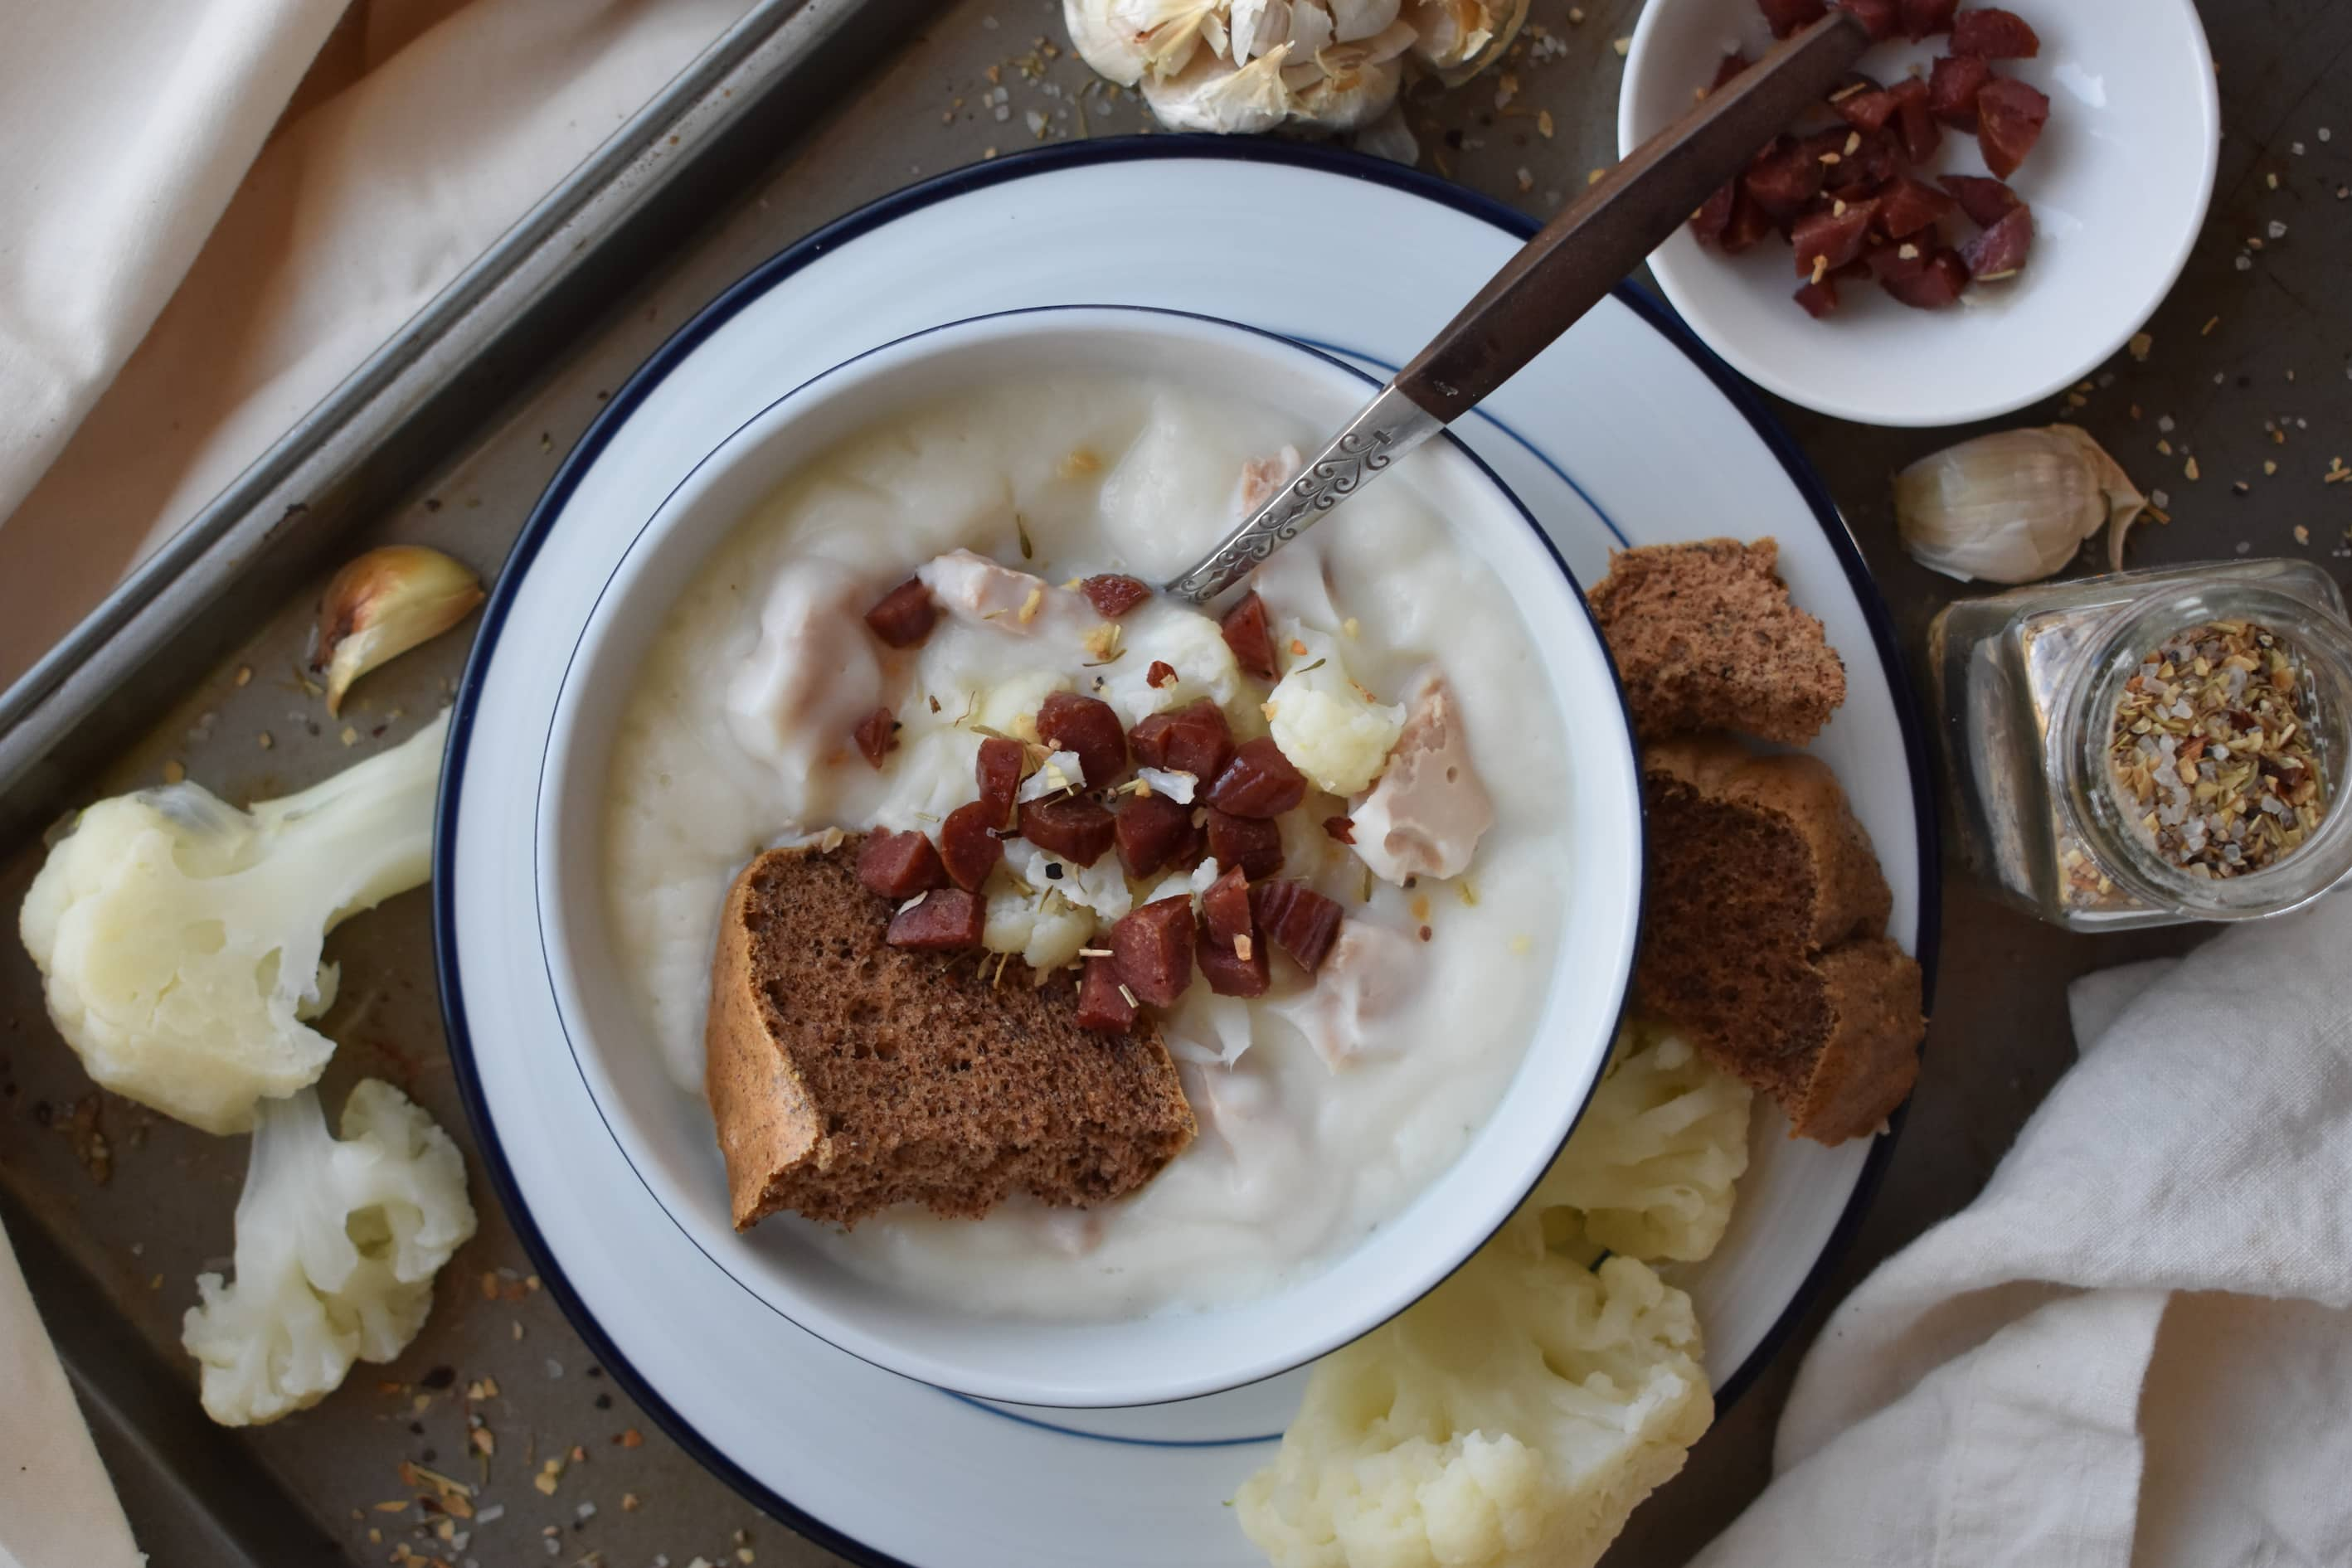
{"x": 1635, "y": 208}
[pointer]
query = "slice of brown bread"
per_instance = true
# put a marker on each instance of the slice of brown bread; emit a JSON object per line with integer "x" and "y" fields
{"x": 1763, "y": 934}
{"x": 847, "y": 1075}
{"x": 1705, "y": 638}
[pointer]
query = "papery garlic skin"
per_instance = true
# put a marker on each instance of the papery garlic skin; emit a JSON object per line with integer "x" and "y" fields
{"x": 1459, "y": 38}
{"x": 2012, "y": 507}
{"x": 1211, "y": 95}
{"x": 381, "y": 604}
{"x": 1126, "y": 39}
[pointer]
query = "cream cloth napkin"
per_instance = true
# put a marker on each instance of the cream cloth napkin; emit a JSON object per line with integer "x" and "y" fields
{"x": 210, "y": 211}
{"x": 2134, "y": 1349}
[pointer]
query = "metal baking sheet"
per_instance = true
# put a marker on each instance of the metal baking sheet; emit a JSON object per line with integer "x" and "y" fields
{"x": 802, "y": 112}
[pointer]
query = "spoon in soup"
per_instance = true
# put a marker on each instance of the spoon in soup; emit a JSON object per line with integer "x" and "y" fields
{"x": 1555, "y": 278}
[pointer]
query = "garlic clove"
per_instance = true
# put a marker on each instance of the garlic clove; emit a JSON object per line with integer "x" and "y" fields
{"x": 1391, "y": 138}
{"x": 1211, "y": 95}
{"x": 1124, "y": 40}
{"x": 1353, "y": 20}
{"x": 1350, "y": 99}
{"x": 2012, "y": 507}
{"x": 383, "y": 603}
{"x": 1311, "y": 28}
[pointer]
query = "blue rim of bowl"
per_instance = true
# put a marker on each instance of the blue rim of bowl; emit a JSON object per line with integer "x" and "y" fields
{"x": 765, "y": 277}
{"x": 1493, "y": 481}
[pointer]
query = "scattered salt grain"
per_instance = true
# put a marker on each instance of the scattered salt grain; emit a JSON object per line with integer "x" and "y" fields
{"x": 2245, "y": 263}
{"x": 2326, "y": 134}
{"x": 2276, "y": 230}
{"x": 2164, "y": 422}
{"x": 490, "y": 1515}
{"x": 585, "y": 1513}
{"x": 554, "y": 1367}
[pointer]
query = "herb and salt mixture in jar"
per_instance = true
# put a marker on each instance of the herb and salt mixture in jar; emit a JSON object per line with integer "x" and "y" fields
{"x": 2150, "y": 747}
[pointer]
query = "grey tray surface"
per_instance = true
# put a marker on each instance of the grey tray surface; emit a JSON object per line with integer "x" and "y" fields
{"x": 115, "y": 1211}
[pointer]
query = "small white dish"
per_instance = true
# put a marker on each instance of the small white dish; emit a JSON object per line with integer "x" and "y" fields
{"x": 1167, "y": 1355}
{"x": 2118, "y": 185}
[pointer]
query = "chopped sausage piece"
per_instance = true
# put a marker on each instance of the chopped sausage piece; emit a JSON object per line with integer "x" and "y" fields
{"x": 1787, "y": 16}
{"x": 1229, "y": 972}
{"x": 1194, "y": 738}
{"x": 968, "y": 847}
{"x": 1714, "y": 214}
{"x": 1076, "y": 827}
{"x": 1730, "y": 66}
{"x": 1986, "y": 202}
{"x": 1992, "y": 33}
{"x": 1820, "y": 299}
{"x": 1854, "y": 163}
{"x": 998, "y": 770}
{"x": 1910, "y": 205}
{"x": 2001, "y": 249}
{"x": 1088, "y": 727}
{"x": 1247, "y": 635}
{"x": 899, "y": 865}
{"x": 905, "y": 614}
{"x": 1225, "y": 907}
{"x": 1922, "y": 18}
{"x": 878, "y": 736}
{"x": 1342, "y": 829}
{"x": 1152, "y": 948}
{"x": 2009, "y": 116}
{"x": 1781, "y": 179}
{"x": 1749, "y": 223}
{"x": 1952, "y": 90}
{"x": 1934, "y": 286}
{"x": 1102, "y": 1006}
{"x": 1161, "y": 674}
{"x": 1299, "y": 920}
{"x": 1113, "y": 594}
{"x": 1826, "y": 241}
{"x": 1152, "y": 832}
{"x": 1255, "y": 846}
{"x": 1258, "y": 782}
{"x": 1862, "y": 103}
{"x": 1882, "y": 18}
{"x": 1903, "y": 259}
{"x": 948, "y": 917}
{"x": 1914, "y": 123}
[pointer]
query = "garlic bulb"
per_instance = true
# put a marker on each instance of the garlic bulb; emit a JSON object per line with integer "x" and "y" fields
{"x": 2015, "y": 506}
{"x": 1459, "y": 38}
{"x": 1242, "y": 65}
{"x": 1126, "y": 39}
{"x": 381, "y": 604}
{"x": 1209, "y": 94}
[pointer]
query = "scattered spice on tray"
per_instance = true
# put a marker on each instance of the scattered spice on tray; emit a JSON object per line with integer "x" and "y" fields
{"x": 2212, "y": 749}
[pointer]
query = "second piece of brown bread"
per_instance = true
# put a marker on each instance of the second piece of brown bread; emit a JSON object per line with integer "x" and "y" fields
{"x": 847, "y": 1075}
{"x": 1763, "y": 934}
{"x": 1706, "y": 637}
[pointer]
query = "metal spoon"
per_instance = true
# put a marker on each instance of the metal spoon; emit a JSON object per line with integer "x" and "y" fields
{"x": 1542, "y": 291}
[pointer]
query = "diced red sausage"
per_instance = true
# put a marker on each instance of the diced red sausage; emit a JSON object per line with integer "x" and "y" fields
{"x": 1161, "y": 674}
{"x": 1781, "y": 179}
{"x": 1076, "y": 827}
{"x": 1934, "y": 286}
{"x": 878, "y": 736}
{"x": 1826, "y": 241}
{"x": 903, "y": 616}
{"x": 1102, "y": 1006}
{"x": 1253, "y": 845}
{"x": 1088, "y": 727}
{"x": 1297, "y": 919}
{"x": 2001, "y": 249}
{"x": 1889, "y": 262}
{"x": 1913, "y": 121}
{"x": 1952, "y": 90}
{"x": 899, "y": 865}
{"x": 998, "y": 768}
{"x": 1863, "y": 160}
{"x": 1986, "y": 202}
{"x": 968, "y": 847}
{"x": 1229, "y": 971}
{"x": 1787, "y": 16}
{"x": 1152, "y": 948}
{"x": 1247, "y": 635}
{"x": 1923, "y": 19}
{"x": 1342, "y": 829}
{"x": 1909, "y": 205}
{"x": 1194, "y": 738}
{"x": 1225, "y": 907}
{"x": 1883, "y": 19}
{"x": 948, "y": 917}
{"x": 1714, "y": 214}
{"x": 1258, "y": 782}
{"x": 1820, "y": 299}
{"x": 1749, "y": 223}
{"x": 1153, "y": 832}
{"x": 1730, "y": 66}
{"x": 1113, "y": 594}
{"x": 1868, "y": 109}
{"x": 2010, "y": 116}
{"x": 1992, "y": 33}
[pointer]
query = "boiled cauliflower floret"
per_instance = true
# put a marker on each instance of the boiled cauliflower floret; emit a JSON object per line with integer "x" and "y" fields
{"x": 179, "y": 937}
{"x": 1651, "y": 1168}
{"x": 1328, "y": 726}
{"x": 1513, "y": 1419}
{"x": 1044, "y": 929}
{"x": 337, "y": 1244}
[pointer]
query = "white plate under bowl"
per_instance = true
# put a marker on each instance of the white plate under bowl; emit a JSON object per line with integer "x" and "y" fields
{"x": 1625, "y": 432}
{"x": 2118, "y": 185}
{"x": 667, "y": 1135}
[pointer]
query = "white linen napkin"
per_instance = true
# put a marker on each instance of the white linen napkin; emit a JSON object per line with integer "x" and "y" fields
{"x": 2134, "y": 1349}
{"x": 56, "y": 1508}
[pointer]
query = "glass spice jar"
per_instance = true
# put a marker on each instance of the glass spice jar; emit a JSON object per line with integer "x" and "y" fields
{"x": 2103, "y": 787}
